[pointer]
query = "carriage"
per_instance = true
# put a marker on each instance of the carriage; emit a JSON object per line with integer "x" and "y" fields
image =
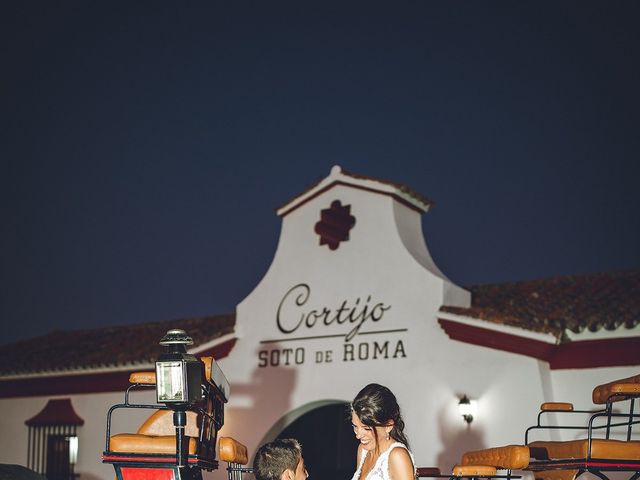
{"x": 179, "y": 440}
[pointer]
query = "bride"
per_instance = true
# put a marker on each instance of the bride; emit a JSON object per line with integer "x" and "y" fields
{"x": 383, "y": 452}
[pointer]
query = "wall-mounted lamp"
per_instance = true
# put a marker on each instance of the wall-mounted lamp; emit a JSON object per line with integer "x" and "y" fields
{"x": 467, "y": 408}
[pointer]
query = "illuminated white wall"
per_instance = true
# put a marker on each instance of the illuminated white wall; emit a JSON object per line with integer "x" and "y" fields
{"x": 385, "y": 261}
{"x": 92, "y": 408}
{"x": 386, "y": 267}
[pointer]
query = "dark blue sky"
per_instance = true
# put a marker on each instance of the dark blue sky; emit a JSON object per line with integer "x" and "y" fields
{"x": 146, "y": 145}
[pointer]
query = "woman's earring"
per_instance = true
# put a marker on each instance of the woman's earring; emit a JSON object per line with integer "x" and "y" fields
{"x": 387, "y": 435}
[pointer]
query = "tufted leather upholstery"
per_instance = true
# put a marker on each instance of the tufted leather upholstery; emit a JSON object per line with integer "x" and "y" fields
{"x": 510, "y": 457}
{"x": 468, "y": 470}
{"x": 610, "y": 449}
{"x": 156, "y": 435}
{"x": 136, "y": 443}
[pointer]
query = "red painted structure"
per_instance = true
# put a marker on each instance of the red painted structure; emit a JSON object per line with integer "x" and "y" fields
{"x": 612, "y": 352}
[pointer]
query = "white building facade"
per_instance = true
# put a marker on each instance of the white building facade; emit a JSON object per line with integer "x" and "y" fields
{"x": 324, "y": 322}
{"x": 353, "y": 297}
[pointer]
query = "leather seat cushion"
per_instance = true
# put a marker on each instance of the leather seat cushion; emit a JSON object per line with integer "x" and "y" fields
{"x": 609, "y": 449}
{"x": 138, "y": 443}
{"x": 468, "y": 470}
{"x": 510, "y": 457}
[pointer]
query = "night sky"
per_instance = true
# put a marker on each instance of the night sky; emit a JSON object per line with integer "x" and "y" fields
{"x": 146, "y": 145}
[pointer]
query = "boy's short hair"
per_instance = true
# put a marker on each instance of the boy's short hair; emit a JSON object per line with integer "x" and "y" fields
{"x": 273, "y": 458}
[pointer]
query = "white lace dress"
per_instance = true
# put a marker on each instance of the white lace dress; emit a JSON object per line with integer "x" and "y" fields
{"x": 380, "y": 470}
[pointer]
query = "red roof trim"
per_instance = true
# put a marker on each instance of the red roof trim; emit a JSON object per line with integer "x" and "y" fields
{"x": 360, "y": 187}
{"x": 497, "y": 340}
{"x": 56, "y": 412}
{"x": 612, "y": 352}
{"x": 65, "y": 384}
{"x": 86, "y": 383}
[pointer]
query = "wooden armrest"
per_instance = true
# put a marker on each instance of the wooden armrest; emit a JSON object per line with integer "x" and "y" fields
{"x": 473, "y": 470}
{"x": 562, "y": 406}
{"x": 143, "y": 377}
{"x": 625, "y": 388}
{"x": 232, "y": 451}
{"x": 602, "y": 392}
{"x": 510, "y": 457}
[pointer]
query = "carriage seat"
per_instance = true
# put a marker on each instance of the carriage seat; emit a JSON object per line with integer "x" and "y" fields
{"x": 474, "y": 471}
{"x": 157, "y": 435}
{"x": 487, "y": 461}
{"x": 601, "y": 448}
{"x": 577, "y": 449}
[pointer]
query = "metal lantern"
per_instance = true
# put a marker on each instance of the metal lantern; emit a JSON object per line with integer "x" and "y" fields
{"x": 178, "y": 373}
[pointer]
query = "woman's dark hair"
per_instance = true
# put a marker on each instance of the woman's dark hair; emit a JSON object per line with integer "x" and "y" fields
{"x": 375, "y": 405}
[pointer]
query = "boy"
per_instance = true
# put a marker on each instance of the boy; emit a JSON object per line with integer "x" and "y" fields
{"x": 280, "y": 460}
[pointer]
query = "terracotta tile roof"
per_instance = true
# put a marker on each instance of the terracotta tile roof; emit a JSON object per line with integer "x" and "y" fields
{"x": 105, "y": 347}
{"x": 574, "y": 302}
{"x": 400, "y": 186}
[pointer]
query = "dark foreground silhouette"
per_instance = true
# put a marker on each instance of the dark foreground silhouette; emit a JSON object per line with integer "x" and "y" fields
{"x": 18, "y": 472}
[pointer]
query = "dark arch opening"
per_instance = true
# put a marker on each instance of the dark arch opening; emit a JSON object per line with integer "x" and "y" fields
{"x": 328, "y": 444}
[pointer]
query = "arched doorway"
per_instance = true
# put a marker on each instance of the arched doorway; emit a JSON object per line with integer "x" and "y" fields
{"x": 327, "y": 439}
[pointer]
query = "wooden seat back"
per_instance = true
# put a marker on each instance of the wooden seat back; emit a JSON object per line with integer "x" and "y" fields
{"x": 617, "y": 390}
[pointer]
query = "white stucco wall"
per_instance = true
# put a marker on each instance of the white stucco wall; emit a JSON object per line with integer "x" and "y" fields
{"x": 92, "y": 408}
{"x": 384, "y": 272}
{"x": 508, "y": 393}
{"x": 386, "y": 259}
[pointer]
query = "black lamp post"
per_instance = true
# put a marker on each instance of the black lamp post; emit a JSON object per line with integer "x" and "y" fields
{"x": 178, "y": 384}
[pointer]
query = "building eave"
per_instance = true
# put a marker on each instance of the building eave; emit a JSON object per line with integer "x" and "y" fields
{"x": 498, "y": 327}
{"x": 338, "y": 177}
{"x": 608, "y": 352}
{"x": 114, "y": 379}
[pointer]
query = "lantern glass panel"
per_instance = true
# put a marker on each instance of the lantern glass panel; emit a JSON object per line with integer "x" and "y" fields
{"x": 170, "y": 386}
